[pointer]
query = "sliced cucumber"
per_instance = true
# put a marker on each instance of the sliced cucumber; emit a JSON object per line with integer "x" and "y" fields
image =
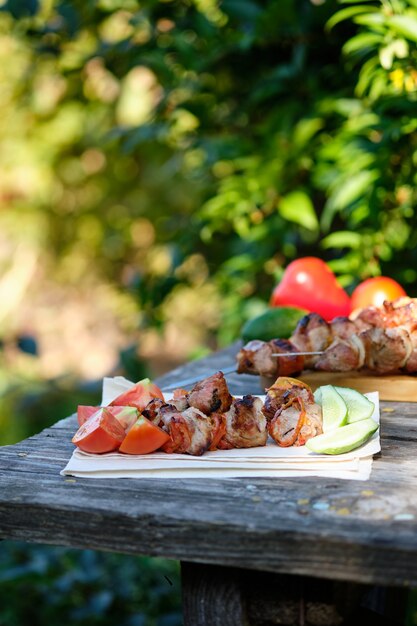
{"x": 358, "y": 405}
{"x": 334, "y": 409}
{"x": 317, "y": 396}
{"x": 343, "y": 439}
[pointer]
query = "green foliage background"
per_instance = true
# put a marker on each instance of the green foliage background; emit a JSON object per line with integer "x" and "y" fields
{"x": 184, "y": 151}
{"x": 181, "y": 143}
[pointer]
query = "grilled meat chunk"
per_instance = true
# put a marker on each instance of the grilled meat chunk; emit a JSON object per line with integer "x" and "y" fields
{"x": 180, "y": 399}
{"x": 370, "y": 317}
{"x": 312, "y": 334}
{"x": 191, "y": 431}
{"x": 296, "y": 422}
{"x": 282, "y": 391}
{"x": 312, "y": 425}
{"x": 286, "y": 424}
{"x": 401, "y": 311}
{"x": 291, "y": 364}
{"x": 245, "y": 424}
{"x": 151, "y": 411}
{"x": 343, "y": 355}
{"x": 387, "y": 349}
{"x": 211, "y": 395}
{"x": 342, "y": 327}
{"x": 256, "y": 358}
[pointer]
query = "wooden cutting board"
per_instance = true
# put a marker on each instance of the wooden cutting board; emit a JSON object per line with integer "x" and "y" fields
{"x": 397, "y": 387}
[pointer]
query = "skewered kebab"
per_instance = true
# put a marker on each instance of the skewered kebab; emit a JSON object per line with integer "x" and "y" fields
{"x": 289, "y": 416}
{"x": 381, "y": 339}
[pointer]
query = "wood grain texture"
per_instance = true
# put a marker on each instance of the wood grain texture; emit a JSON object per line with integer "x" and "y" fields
{"x": 212, "y": 595}
{"x": 225, "y": 596}
{"x": 342, "y": 530}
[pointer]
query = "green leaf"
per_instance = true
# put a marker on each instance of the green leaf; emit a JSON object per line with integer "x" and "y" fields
{"x": 297, "y": 207}
{"x": 305, "y": 130}
{"x": 342, "y": 239}
{"x": 405, "y": 25}
{"x": 362, "y": 42}
{"x": 346, "y": 193}
{"x": 347, "y": 13}
{"x": 374, "y": 20}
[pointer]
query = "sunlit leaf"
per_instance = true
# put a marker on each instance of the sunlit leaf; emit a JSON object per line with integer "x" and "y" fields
{"x": 305, "y": 130}
{"x": 362, "y": 42}
{"x": 346, "y": 193}
{"x": 342, "y": 239}
{"x": 405, "y": 25}
{"x": 347, "y": 13}
{"x": 297, "y": 207}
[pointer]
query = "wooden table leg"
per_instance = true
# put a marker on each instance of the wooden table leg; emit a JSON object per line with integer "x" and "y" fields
{"x": 212, "y": 595}
{"x": 225, "y": 596}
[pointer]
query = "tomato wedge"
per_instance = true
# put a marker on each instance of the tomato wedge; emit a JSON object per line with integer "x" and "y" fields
{"x": 125, "y": 415}
{"x": 139, "y": 395}
{"x": 143, "y": 438}
{"x": 100, "y": 433}
{"x": 85, "y": 412}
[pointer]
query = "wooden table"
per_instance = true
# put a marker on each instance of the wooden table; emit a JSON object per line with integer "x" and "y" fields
{"x": 253, "y": 551}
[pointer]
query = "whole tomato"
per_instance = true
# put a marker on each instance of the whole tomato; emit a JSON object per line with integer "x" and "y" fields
{"x": 310, "y": 284}
{"x": 373, "y": 292}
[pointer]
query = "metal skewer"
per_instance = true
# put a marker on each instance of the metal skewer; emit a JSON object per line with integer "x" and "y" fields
{"x": 230, "y": 369}
{"x": 297, "y": 353}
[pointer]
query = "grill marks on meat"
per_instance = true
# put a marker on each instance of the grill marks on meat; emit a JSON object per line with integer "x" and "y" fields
{"x": 245, "y": 424}
{"x": 211, "y": 395}
{"x": 289, "y": 416}
{"x": 343, "y": 355}
{"x": 343, "y": 327}
{"x": 296, "y": 422}
{"x": 287, "y": 422}
{"x": 312, "y": 334}
{"x": 382, "y": 339}
{"x": 290, "y": 364}
{"x": 387, "y": 350}
{"x": 282, "y": 392}
{"x": 226, "y": 422}
{"x": 256, "y": 358}
{"x": 191, "y": 432}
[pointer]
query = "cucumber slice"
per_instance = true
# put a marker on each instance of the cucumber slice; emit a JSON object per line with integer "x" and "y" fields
{"x": 358, "y": 405}
{"x": 317, "y": 396}
{"x": 343, "y": 439}
{"x": 334, "y": 409}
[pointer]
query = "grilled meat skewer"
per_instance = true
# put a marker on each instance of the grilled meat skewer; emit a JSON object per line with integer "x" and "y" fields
{"x": 381, "y": 339}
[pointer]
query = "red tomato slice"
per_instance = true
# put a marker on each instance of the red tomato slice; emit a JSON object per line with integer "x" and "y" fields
{"x": 125, "y": 415}
{"x": 139, "y": 395}
{"x": 143, "y": 438}
{"x": 100, "y": 433}
{"x": 85, "y": 412}
{"x": 373, "y": 292}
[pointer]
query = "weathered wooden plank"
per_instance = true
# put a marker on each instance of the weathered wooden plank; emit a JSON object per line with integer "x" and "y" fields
{"x": 278, "y": 525}
{"x": 341, "y": 530}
